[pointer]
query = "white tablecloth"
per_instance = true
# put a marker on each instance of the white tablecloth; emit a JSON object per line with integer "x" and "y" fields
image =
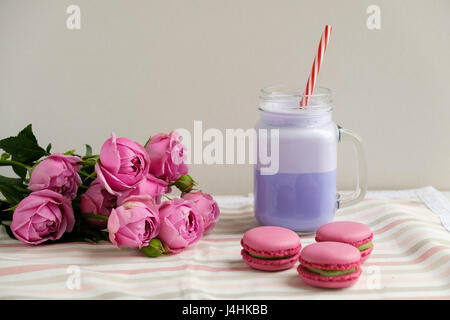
{"x": 411, "y": 259}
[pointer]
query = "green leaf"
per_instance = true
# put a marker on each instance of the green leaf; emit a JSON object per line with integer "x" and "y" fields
{"x": 21, "y": 172}
{"x": 23, "y": 148}
{"x": 94, "y": 216}
{"x": 9, "y": 232}
{"x": 12, "y": 182}
{"x": 6, "y": 211}
{"x": 3, "y": 205}
{"x": 49, "y": 148}
{"x": 70, "y": 152}
{"x": 88, "y": 150}
{"x": 13, "y": 189}
{"x": 6, "y": 216}
{"x": 5, "y": 156}
{"x": 27, "y": 133}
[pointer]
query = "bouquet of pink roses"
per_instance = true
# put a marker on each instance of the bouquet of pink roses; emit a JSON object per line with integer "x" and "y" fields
{"x": 120, "y": 195}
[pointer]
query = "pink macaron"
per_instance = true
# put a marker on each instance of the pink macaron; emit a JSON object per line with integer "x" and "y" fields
{"x": 330, "y": 265}
{"x": 350, "y": 232}
{"x": 270, "y": 248}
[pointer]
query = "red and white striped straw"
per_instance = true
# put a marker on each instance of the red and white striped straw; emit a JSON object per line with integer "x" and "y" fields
{"x": 316, "y": 65}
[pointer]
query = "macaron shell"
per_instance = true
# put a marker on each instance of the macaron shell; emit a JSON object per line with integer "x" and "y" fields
{"x": 271, "y": 241}
{"x": 318, "y": 280}
{"x": 330, "y": 255}
{"x": 366, "y": 253}
{"x": 271, "y": 254}
{"x": 269, "y": 265}
{"x": 350, "y": 232}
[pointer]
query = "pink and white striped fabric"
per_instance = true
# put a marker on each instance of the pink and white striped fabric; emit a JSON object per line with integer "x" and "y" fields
{"x": 411, "y": 260}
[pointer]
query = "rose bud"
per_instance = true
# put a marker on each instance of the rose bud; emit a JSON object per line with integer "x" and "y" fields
{"x": 207, "y": 207}
{"x": 185, "y": 183}
{"x": 150, "y": 186}
{"x": 97, "y": 200}
{"x": 155, "y": 248}
{"x": 57, "y": 172}
{"x": 43, "y": 215}
{"x": 181, "y": 224}
{"x": 123, "y": 164}
{"x": 134, "y": 223}
{"x": 167, "y": 156}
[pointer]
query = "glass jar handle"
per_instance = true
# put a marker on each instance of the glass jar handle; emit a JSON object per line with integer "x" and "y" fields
{"x": 345, "y": 200}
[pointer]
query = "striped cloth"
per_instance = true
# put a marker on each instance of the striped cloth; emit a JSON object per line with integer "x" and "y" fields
{"x": 411, "y": 259}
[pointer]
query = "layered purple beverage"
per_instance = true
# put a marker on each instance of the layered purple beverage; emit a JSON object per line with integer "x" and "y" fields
{"x": 301, "y": 193}
{"x": 298, "y": 201}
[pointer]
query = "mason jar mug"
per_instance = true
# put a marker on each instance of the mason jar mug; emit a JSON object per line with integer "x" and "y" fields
{"x": 300, "y": 193}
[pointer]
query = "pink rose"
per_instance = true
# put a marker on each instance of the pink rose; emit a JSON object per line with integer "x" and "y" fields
{"x": 134, "y": 223}
{"x": 167, "y": 156}
{"x": 150, "y": 186}
{"x": 123, "y": 164}
{"x": 57, "y": 172}
{"x": 181, "y": 224}
{"x": 97, "y": 200}
{"x": 207, "y": 207}
{"x": 43, "y": 215}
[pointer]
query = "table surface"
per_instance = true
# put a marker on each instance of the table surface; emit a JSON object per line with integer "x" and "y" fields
{"x": 411, "y": 259}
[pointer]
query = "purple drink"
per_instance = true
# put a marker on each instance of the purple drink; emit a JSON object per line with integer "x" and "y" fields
{"x": 299, "y": 191}
{"x": 298, "y": 201}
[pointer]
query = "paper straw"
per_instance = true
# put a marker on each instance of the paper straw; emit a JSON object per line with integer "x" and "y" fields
{"x": 316, "y": 65}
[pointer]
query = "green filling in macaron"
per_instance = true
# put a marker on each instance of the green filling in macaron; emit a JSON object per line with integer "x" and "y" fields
{"x": 267, "y": 258}
{"x": 365, "y": 246}
{"x": 332, "y": 273}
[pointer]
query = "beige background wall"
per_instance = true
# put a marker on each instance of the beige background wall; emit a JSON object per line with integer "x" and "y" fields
{"x": 140, "y": 67}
